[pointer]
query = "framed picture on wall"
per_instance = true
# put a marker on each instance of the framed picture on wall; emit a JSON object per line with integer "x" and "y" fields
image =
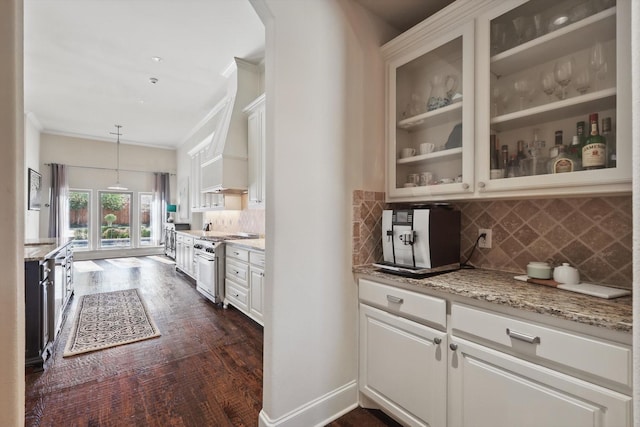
{"x": 35, "y": 190}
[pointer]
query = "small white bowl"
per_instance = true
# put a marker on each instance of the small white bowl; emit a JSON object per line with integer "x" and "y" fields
{"x": 539, "y": 270}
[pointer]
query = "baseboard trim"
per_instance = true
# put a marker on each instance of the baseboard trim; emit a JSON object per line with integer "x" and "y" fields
{"x": 318, "y": 412}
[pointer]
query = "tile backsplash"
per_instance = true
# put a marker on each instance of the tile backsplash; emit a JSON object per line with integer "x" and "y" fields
{"x": 593, "y": 234}
{"x": 247, "y": 220}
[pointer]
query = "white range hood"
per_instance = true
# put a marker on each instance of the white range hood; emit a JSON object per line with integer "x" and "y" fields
{"x": 224, "y": 167}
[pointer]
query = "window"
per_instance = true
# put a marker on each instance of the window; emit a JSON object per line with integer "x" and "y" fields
{"x": 115, "y": 220}
{"x": 79, "y": 214}
{"x": 146, "y": 233}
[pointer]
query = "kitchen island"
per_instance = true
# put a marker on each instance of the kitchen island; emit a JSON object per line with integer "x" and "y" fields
{"x": 48, "y": 264}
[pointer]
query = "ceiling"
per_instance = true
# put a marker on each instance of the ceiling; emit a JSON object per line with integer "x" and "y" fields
{"x": 404, "y": 14}
{"x": 88, "y": 63}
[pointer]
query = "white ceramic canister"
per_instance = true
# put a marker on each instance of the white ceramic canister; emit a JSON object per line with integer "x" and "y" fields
{"x": 566, "y": 274}
{"x": 539, "y": 270}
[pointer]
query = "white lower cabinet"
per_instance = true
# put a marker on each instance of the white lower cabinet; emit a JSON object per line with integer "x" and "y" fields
{"x": 484, "y": 368}
{"x": 184, "y": 254}
{"x": 488, "y": 388}
{"x": 244, "y": 281}
{"x": 403, "y": 367}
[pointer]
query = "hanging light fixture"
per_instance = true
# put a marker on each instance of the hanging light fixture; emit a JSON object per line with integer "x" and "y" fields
{"x": 117, "y": 185}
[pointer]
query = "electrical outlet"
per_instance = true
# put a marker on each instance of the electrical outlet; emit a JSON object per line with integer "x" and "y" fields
{"x": 484, "y": 242}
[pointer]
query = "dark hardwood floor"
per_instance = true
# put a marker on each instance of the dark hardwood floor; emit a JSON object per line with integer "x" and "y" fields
{"x": 204, "y": 370}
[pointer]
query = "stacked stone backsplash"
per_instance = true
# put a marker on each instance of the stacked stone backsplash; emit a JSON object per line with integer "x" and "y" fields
{"x": 593, "y": 234}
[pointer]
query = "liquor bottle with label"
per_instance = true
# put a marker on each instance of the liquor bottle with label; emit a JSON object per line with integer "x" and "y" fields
{"x": 609, "y": 136}
{"x": 574, "y": 152}
{"x": 504, "y": 164}
{"x": 554, "y": 152}
{"x": 523, "y": 160}
{"x": 594, "y": 151}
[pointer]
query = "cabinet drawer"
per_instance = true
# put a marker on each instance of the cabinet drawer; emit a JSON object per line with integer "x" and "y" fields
{"x": 236, "y": 295}
{"x": 603, "y": 359}
{"x": 257, "y": 258}
{"x": 237, "y": 271}
{"x": 404, "y": 303}
{"x": 237, "y": 253}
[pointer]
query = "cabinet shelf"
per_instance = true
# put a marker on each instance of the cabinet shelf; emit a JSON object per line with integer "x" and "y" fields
{"x": 572, "y": 38}
{"x": 583, "y": 104}
{"x": 437, "y": 155}
{"x": 449, "y": 113}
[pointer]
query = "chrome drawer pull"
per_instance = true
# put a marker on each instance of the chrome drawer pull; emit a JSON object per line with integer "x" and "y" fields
{"x": 523, "y": 337}
{"x": 394, "y": 299}
{"x": 437, "y": 341}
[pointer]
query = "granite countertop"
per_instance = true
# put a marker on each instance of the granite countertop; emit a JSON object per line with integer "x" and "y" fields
{"x": 248, "y": 243}
{"x": 501, "y": 288}
{"x": 43, "y": 248}
{"x": 201, "y": 233}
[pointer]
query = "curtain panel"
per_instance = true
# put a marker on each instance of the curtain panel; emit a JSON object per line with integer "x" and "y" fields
{"x": 160, "y": 200}
{"x": 59, "y": 202}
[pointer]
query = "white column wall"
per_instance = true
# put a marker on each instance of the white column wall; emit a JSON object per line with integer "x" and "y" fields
{"x": 12, "y": 173}
{"x": 317, "y": 71}
{"x": 635, "y": 115}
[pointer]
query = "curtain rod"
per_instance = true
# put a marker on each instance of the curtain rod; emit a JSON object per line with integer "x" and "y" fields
{"x": 109, "y": 169}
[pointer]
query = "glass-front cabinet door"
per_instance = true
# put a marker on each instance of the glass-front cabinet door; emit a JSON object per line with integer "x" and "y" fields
{"x": 552, "y": 74}
{"x": 430, "y": 121}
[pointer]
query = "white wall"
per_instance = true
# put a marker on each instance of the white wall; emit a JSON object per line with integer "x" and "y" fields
{"x": 83, "y": 155}
{"x": 31, "y": 160}
{"x": 12, "y": 175}
{"x": 321, "y": 136}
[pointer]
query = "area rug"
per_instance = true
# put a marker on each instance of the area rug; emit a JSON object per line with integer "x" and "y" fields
{"x": 125, "y": 262}
{"x": 161, "y": 259}
{"x": 86, "y": 266}
{"x": 107, "y": 320}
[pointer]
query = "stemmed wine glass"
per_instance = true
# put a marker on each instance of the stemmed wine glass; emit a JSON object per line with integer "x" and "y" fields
{"x": 563, "y": 71}
{"x": 583, "y": 81}
{"x": 598, "y": 62}
{"x": 524, "y": 88}
{"x": 548, "y": 82}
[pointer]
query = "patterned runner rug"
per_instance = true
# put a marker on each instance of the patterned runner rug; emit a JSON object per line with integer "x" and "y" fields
{"x": 107, "y": 320}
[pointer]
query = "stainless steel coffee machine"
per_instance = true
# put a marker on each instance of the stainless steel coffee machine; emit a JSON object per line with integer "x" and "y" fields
{"x": 421, "y": 241}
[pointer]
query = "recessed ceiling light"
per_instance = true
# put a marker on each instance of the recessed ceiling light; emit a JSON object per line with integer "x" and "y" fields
{"x": 156, "y": 58}
{"x": 141, "y": 101}
{"x": 153, "y": 80}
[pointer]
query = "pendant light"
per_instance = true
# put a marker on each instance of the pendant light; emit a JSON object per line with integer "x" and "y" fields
{"x": 117, "y": 185}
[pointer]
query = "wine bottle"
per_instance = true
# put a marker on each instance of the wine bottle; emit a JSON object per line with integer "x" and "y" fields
{"x": 594, "y": 152}
{"x": 607, "y": 133}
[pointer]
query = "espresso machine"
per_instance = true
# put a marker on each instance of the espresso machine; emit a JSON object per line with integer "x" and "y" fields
{"x": 420, "y": 241}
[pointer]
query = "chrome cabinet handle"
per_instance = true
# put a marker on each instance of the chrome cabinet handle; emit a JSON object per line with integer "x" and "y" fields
{"x": 395, "y": 299}
{"x": 481, "y": 184}
{"x": 437, "y": 341}
{"x": 465, "y": 186}
{"x": 523, "y": 337}
{"x": 453, "y": 346}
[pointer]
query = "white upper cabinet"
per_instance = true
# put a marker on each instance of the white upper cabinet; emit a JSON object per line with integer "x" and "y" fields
{"x": 256, "y": 148}
{"x": 508, "y": 74}
{"x": 543, "y": 67}
{"x": 430, "y": 123}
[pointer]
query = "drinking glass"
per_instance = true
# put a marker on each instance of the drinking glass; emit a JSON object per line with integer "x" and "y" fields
{"x": 583, "y": 81}
{"x": 524, "y": 88}
{"x": 498, "y": 37}
{"x": 563, "y": 71}
{"x": 598, "y": 62}
{"x": 499, "y": 96}
{"x": 520, "y": 25}
{"x": 548, "y": 82}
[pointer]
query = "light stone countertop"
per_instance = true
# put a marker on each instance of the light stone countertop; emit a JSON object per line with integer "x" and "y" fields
{"x": 498, "y": 287}
{"x": 42, "y": 248}
{"x": 255, "y": 244}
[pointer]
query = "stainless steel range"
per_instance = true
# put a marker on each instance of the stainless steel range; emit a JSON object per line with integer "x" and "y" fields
{"x": 208, "y": 254}
{"x": 170, "y": 237}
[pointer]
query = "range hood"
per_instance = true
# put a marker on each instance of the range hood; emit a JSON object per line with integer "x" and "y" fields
{"x": 224, "y": 165}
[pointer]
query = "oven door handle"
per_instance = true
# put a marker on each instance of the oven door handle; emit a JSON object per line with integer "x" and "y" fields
{"x": 205, "y": 258}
